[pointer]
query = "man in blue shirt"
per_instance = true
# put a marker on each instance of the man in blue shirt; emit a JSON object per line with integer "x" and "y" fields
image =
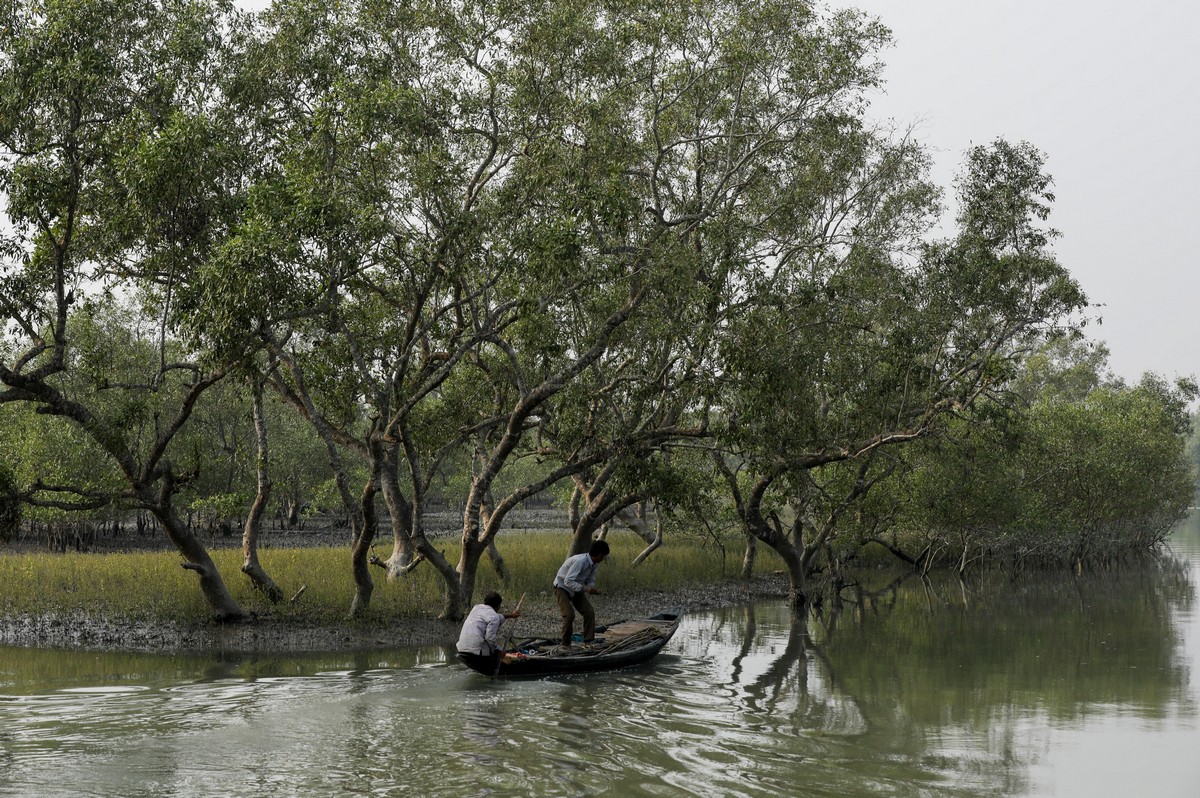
{"x": 572, "y": 584}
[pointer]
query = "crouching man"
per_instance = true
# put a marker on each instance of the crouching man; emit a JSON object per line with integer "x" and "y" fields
{"x": 478, "y": 640}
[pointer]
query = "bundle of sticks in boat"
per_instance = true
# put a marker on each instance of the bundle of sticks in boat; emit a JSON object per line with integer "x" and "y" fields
{"x": 640, "y": 637}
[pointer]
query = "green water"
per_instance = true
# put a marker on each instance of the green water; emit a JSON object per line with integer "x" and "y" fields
{"x": 1064, "y": 687}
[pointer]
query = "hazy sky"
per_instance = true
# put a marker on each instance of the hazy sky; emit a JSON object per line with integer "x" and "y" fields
{"x": 1111, "y": 93}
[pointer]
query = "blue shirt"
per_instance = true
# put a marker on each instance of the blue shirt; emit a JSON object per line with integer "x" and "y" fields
{"x": 576, "y": 574}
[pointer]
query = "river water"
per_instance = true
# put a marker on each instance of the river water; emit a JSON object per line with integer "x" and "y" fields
{"x": 1029, "y": 687}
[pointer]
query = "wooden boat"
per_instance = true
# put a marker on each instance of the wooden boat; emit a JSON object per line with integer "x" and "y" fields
{"x": 617, "y": 645}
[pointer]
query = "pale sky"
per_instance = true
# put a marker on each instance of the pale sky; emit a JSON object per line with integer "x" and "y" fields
{"x": 1110, "y": 91}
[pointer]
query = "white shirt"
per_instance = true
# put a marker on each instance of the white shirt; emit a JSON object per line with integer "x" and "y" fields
{"x": 479, "y": 631}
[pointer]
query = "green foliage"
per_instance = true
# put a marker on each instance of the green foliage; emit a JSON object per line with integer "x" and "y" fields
{"x": 1071, "y": 480}
{"x": 1114, "y": 464}
{"x": 39, "y": 449}
{"x": 1004, "y": 193}
{"x": 220, "y": 508}
{"x": 861, "y": 351}
{"x": 1064, "y": 368}
{"x": 478, "y": 249}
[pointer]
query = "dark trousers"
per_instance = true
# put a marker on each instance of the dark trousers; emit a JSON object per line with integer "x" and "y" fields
{"x": 567, "y": 605}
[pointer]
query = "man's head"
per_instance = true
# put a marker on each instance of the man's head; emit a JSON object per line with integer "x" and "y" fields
{"x": 493, "y": 600}
{"x": 598, "y": 550}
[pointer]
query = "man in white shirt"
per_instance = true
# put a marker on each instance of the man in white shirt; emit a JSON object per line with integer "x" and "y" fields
{"x": 479, "y": 630}
{"x": 576, "y": 578}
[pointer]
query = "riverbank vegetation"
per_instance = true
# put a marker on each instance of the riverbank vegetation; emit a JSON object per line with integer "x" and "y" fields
{"x": 654, "y": 269}
{"x": 150, "y": 587}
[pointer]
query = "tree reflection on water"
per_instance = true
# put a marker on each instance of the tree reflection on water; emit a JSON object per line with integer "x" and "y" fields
{"x": 969, "y": 679}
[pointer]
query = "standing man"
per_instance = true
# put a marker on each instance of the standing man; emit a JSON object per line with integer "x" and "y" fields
{"x": 574, "y": 580}
{"x": 478, "y": 637}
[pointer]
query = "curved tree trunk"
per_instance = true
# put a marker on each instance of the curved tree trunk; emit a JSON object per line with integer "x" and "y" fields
{"x": 251, "y": 567}
{"x": 797, "y": 570}
{"x": 637, "y": 519}
{"x": 360, "y": 551}
{"x": 497, "y": 560}
{"x": 197, "y": 559}
{"x": 798, "y": 565}
{"x": 750, "y": 513}
{"x": 646, "y": 552}
{"x": 586, "y": 516}
{"x": 421, "y": 545}
{"x": 487, "y": 510}
{"x": 581, "y": 536}
{"x": 400, "y": 511}
{"x": 656, "y": 540}
{"x": 452, "y": 582}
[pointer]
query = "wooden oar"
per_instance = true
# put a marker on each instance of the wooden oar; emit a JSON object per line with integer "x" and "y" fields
{"x": 509, "y": 646}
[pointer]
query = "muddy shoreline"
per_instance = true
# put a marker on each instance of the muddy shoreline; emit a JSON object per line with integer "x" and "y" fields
{"x": 264, "y": 634}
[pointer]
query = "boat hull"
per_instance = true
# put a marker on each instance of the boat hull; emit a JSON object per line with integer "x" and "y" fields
{"x": 618, "y": 645}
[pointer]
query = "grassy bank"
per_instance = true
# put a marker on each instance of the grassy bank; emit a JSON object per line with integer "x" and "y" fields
{"x": 151, "y": 587}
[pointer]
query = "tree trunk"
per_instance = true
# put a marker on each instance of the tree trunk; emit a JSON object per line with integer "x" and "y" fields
{"x": 251, "y": 567}
{"x": 196, "y": 557}
{"x": 637, "y": 520}
{"x": 797, "y": 573}
{"x": 581, "y": 537}
{"x": 797, "y": 565}
{"x": 453, "y": 601}
{"x": 755, "y": 525}
{"x": 654, "y": 543}
{"x": 497, "y": 560}
{"x": 400, "y": 511}
{"x": 468, "y": 570}
{"x": 798, "y": 558}
{"x": 749, "y": 556}
{"x": 452, "y": 604}
{"x": 360, "y": 551}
